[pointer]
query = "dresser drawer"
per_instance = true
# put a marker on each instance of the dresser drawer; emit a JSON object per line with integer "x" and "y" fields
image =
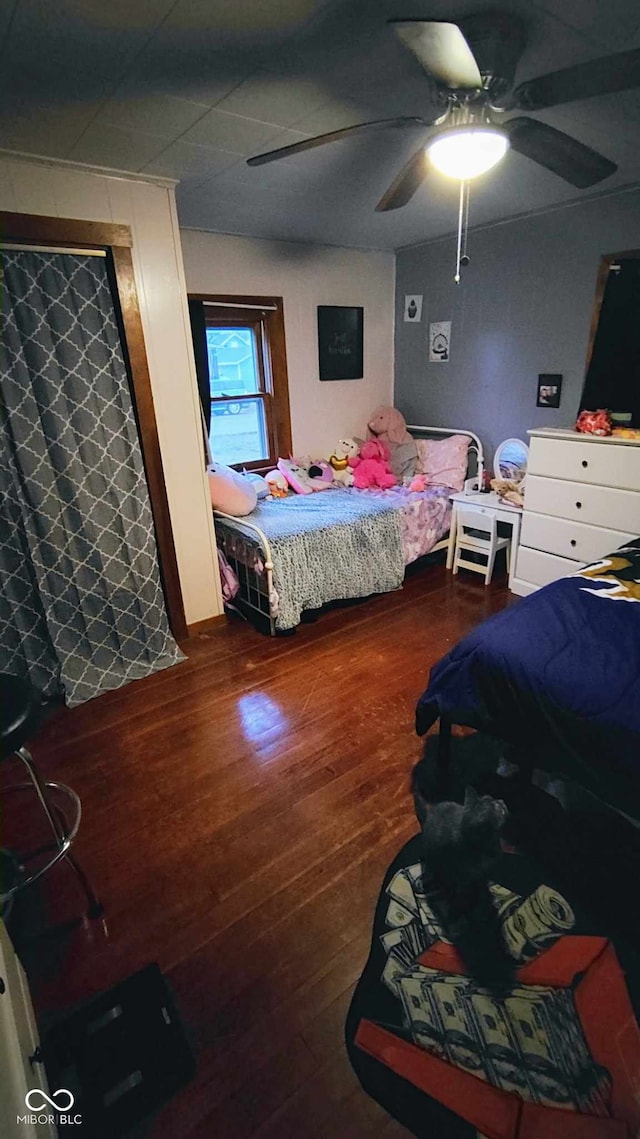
{"x": 539, "y": 568}
{"x": 606, "y": 464}
{"x": 595, "y": 505}
{"x": 570, "y": 539}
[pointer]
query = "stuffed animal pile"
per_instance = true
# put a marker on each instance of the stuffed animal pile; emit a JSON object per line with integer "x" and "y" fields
{"x": 371, "y": 467}
{"x": 388, "y": 457}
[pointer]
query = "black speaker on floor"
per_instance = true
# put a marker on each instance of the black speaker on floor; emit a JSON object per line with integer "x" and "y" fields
{"x": 121, "y": 1056}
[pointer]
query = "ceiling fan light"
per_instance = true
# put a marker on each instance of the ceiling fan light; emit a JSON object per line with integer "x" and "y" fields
{"x": 466, "y": 152}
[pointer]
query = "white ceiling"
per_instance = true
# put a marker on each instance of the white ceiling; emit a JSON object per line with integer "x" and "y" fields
{"x": 190, "y": 88}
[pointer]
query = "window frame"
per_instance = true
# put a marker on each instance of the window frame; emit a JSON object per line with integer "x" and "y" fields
{"x": 266, "y": 316}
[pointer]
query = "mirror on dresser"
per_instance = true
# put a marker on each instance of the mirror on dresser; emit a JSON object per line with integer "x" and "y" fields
{"x": 612, "y": 374}
{"x": 510, "y": 460}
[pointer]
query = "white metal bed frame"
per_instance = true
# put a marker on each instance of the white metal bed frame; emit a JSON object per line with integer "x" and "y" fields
{"x": 257, "y": 593}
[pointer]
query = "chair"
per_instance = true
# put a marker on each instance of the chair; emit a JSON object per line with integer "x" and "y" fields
{"x": 478, "y": 534}
{"x": 20, "y": 716}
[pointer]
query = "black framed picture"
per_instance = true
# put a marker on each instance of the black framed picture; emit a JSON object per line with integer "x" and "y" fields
{"x": 340, "y": 339}
{"x": 549, "y": 388}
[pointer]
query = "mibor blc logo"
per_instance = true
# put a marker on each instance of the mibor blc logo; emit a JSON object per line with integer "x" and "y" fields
{"x": 44, "y": 1108}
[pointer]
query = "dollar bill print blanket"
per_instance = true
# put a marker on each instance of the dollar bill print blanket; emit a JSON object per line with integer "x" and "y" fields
{"x": 342, "y": 544}
{"x": 447, "y": 1057}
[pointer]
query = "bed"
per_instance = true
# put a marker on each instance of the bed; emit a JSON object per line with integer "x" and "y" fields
{"x": 557, "y": 675}
{"x": 297, "y": 554}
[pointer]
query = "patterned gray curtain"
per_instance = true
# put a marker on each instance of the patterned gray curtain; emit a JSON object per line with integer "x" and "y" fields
{"x": 81, "y": 602}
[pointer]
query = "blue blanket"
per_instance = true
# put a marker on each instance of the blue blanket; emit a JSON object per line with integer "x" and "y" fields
{"x": 559, "y": 670}
{"x": 328, "y": 545}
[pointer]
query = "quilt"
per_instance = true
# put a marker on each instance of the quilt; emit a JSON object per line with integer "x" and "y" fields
{"x": 344, "y": 544}
{"x": 560, "y": 670}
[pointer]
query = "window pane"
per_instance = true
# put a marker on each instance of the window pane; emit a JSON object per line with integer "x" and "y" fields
{"x": 233, "y": 362}
{"x": 239, "y": 431}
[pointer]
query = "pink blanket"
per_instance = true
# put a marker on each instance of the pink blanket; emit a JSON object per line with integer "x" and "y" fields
{"x": 425, "y": 517}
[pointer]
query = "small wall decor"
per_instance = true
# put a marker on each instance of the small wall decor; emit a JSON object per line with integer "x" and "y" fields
{"x": 439, "y": 341}
{"x": 340, "y": 334}
{"x": 549, "y": 388}
{"x": 413, "y": 308}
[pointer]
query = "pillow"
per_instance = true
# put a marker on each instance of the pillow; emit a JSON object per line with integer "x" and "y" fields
{"x": 444, "y": 461}
{"x": 230, "y": 491}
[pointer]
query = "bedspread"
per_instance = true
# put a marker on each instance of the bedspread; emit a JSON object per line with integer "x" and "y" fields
{"x": 328, "y": 546}
{"x": 558, "y": 673}
{"x": 342, "y": 544}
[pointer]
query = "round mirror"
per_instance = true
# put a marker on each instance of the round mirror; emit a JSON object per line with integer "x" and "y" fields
{"x": 510, "y": 460}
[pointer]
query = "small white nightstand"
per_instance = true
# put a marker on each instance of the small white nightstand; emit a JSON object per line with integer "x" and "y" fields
{"x": 494, "y": 506}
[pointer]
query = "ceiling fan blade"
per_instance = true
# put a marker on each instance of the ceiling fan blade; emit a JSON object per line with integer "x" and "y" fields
{"x": 558, "y": 152}
{"x": 334, "y": 136}
{"x": 604, "y": 76}
{"x": 442, "y": 51}
{"x": 406, "y": 183}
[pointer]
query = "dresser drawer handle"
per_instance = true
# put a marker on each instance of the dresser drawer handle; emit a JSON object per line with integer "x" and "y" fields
{"x": 573, "y": 542}
{"x": 585, "y": 463}
{"x": 579, "y": 505}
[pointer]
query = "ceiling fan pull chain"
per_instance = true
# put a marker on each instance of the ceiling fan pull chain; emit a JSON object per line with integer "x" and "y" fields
{"x": 464, "y": 260}
{"x": 460, "y": 226}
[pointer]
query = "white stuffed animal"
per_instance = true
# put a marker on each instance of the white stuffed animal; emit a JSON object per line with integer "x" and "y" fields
{"x": 346, "y": 449}
{"x": 277, "y": 484}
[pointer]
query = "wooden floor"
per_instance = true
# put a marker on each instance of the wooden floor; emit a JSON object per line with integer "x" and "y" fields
{"x": 239, "y": 812}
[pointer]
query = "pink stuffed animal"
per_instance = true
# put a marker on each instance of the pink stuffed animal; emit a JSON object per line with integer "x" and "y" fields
{"x": 371, "y": 467}
{"x": 419, "y": 482}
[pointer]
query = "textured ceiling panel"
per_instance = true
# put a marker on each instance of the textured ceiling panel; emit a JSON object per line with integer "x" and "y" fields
{"x": 273, "y": 97}
{"x": 117, "y": 148}
{"x": 184, "y": 160}
{"x": 190, "y": 88}
{"x": 231, "y": 132}
{"x": 139, "y": 110}
{"x": 38, "y": 129}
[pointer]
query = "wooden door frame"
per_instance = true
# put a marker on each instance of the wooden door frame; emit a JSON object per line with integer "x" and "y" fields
{"x": 34, "y": 229}
{"x": 606, "y": 261}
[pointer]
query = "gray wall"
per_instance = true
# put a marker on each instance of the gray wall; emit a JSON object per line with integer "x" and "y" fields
{"x": 523, "y": 307}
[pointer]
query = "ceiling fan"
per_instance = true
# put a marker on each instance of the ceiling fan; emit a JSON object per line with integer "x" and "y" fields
{"x": 472, "y": 64}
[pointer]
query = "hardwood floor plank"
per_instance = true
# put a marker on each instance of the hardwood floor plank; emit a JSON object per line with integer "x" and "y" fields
{"x": 239, "y": 811}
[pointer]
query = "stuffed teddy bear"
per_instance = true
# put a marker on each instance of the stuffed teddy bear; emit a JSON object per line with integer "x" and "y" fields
{"x": 371, "y": 467}
{"x": 346, "y": 450}
{"x": 509, "y": 491}
{"x": 387, "y": 424}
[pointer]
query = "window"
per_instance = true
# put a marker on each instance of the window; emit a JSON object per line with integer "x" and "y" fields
{"x": 247, "y": 380}
{"x": 239, "y": 431}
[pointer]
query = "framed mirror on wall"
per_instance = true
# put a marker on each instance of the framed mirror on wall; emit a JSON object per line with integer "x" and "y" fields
{"x": 612, "y": 374}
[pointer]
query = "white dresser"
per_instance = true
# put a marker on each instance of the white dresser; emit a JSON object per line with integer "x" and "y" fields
{"x": 582, "y": 500}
